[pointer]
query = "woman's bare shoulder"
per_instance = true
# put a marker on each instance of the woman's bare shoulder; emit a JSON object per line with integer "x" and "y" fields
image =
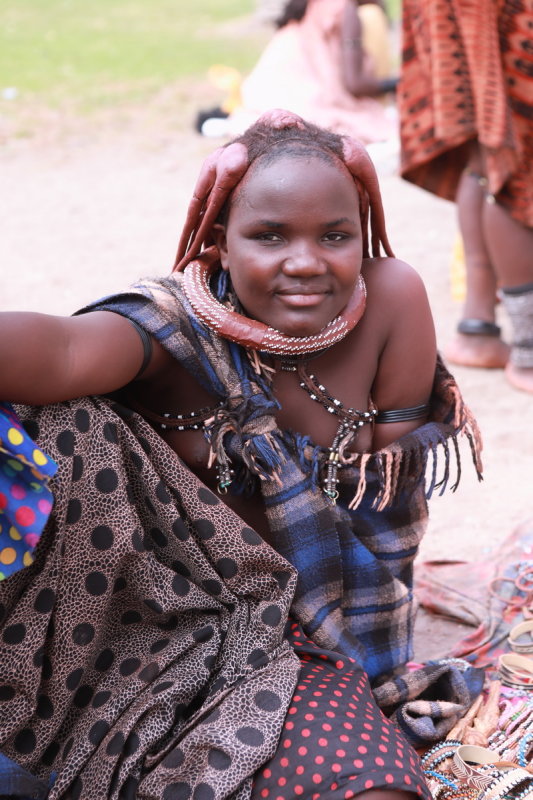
{"x": 400, "y": 319}
{"x": 390, "y": 275}
{"x": 395, "y": 286}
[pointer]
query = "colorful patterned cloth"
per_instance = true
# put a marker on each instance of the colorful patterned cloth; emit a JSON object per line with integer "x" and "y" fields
{"x": 25, "y": 496}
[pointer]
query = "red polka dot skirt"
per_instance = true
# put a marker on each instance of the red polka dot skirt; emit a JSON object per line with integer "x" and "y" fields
{"x": 336, "y": 743}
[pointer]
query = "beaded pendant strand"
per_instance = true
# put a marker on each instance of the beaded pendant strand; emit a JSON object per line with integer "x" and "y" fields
{"x": 351, "y": 420}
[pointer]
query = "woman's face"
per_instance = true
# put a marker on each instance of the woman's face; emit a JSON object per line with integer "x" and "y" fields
{"x": 293, "y": 243}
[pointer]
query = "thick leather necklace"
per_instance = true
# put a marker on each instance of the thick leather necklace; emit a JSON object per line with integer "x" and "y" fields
{"x": 256, "y": 335}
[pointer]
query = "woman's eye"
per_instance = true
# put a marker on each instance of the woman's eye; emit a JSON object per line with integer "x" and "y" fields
{"x": 335, "y": 236}
{"x": 268, "y": 236}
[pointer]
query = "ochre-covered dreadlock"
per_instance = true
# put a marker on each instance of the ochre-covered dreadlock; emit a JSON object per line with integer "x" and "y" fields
{"x": 276, "y": 133}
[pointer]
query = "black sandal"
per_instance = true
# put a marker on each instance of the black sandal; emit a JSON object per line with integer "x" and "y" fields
{"x": 479, "y": 327}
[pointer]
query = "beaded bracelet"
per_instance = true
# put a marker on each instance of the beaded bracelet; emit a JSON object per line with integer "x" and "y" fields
{"x": 438, "y": 790}
{"x": 516, "y": 706}
{"x": 463, "y": 793}
{"x": 508, "y": 691}
{"x": 512, "y": 742}
{"x": 496, "y": 738}
{"x": 524, "y": 748}
{"x": 439, "y": 776}
{"x": 519, "y": 717}
{"x": 440, "y": 752}
{"x": 525, "y": 794}
{"x": 507, "y": 781}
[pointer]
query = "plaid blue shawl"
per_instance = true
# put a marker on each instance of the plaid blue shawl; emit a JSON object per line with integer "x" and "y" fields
{"x": 354, "y": 559}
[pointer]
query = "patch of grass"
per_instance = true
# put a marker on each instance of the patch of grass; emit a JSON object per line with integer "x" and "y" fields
{"x": 99, "y": 52}
{"x": 394, "y": 7}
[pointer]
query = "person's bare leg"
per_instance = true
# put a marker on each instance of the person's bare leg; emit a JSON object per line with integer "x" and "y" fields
{"x": 476, "y": 349}
{"x": 511, "y": 247}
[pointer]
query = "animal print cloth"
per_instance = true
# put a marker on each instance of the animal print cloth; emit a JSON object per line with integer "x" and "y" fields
{"x": 142, "y": 654}
{"x": 467, "y": 74}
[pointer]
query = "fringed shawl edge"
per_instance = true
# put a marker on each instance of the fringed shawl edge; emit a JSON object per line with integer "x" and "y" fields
{"x": 401, "y": 465}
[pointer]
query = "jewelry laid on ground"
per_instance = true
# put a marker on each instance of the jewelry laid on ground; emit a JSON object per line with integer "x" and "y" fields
{"x": 457, "y": 769}
{"x": 477, "y": 767}
{"x": 515, "y": 592}
{"x": 516, "y": 670}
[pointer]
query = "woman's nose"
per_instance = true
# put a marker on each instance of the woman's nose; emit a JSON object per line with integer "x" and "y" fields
{"x": 304, "y": 260}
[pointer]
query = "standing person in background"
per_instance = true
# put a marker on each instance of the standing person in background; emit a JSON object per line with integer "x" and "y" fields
{"x": 366, "y": 49}
{"x": 327, "y": 64}
{"x": 466, "y": 127}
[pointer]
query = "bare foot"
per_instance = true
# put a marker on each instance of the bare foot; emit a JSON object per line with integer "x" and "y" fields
{"x": 520, "y": 377}
{"x": 487, "y": 352}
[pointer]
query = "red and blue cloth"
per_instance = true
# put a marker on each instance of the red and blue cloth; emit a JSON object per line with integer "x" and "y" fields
{"x": 25, "y": 496}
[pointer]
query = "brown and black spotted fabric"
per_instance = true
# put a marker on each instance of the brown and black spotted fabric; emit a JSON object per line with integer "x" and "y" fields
{"x": 152, "y": 615}
{"x": 144, "y": 655}
{"x": 467, "y": 73}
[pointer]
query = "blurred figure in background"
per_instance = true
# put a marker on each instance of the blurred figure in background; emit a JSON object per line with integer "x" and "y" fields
{"x": 466, "y": 126}
{"x": 328, "y": 61}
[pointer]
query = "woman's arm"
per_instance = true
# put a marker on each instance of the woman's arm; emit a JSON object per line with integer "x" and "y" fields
{"x": 358, "y": 78}
{"x": 357, "y": 69}
{"x": 46, "y": 359}
{"x": 406, "y": 367}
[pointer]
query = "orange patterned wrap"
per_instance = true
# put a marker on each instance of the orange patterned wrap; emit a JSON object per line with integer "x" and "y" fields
{"x": 467, "y": 73}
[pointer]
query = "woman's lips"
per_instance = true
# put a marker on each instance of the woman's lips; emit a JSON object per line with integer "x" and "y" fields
{"x": 301, "y": 299}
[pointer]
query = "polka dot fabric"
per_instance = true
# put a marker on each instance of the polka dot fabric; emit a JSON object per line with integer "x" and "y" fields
{"x": 25, "y": 497}
{"x": 336, "y": 743}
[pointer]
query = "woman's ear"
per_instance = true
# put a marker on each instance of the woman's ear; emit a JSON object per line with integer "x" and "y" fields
{"x": 219, "y": 235}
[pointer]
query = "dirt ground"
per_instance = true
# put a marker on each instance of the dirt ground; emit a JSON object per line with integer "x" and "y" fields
{"x": 84, "y": 210}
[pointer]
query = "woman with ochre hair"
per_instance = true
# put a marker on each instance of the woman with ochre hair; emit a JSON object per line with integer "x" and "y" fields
{"x": 224, "y": 585}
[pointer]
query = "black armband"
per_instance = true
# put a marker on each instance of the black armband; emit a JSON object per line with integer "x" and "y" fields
{"x": 147, "y": 346}
{"x": 403, "y": 414}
